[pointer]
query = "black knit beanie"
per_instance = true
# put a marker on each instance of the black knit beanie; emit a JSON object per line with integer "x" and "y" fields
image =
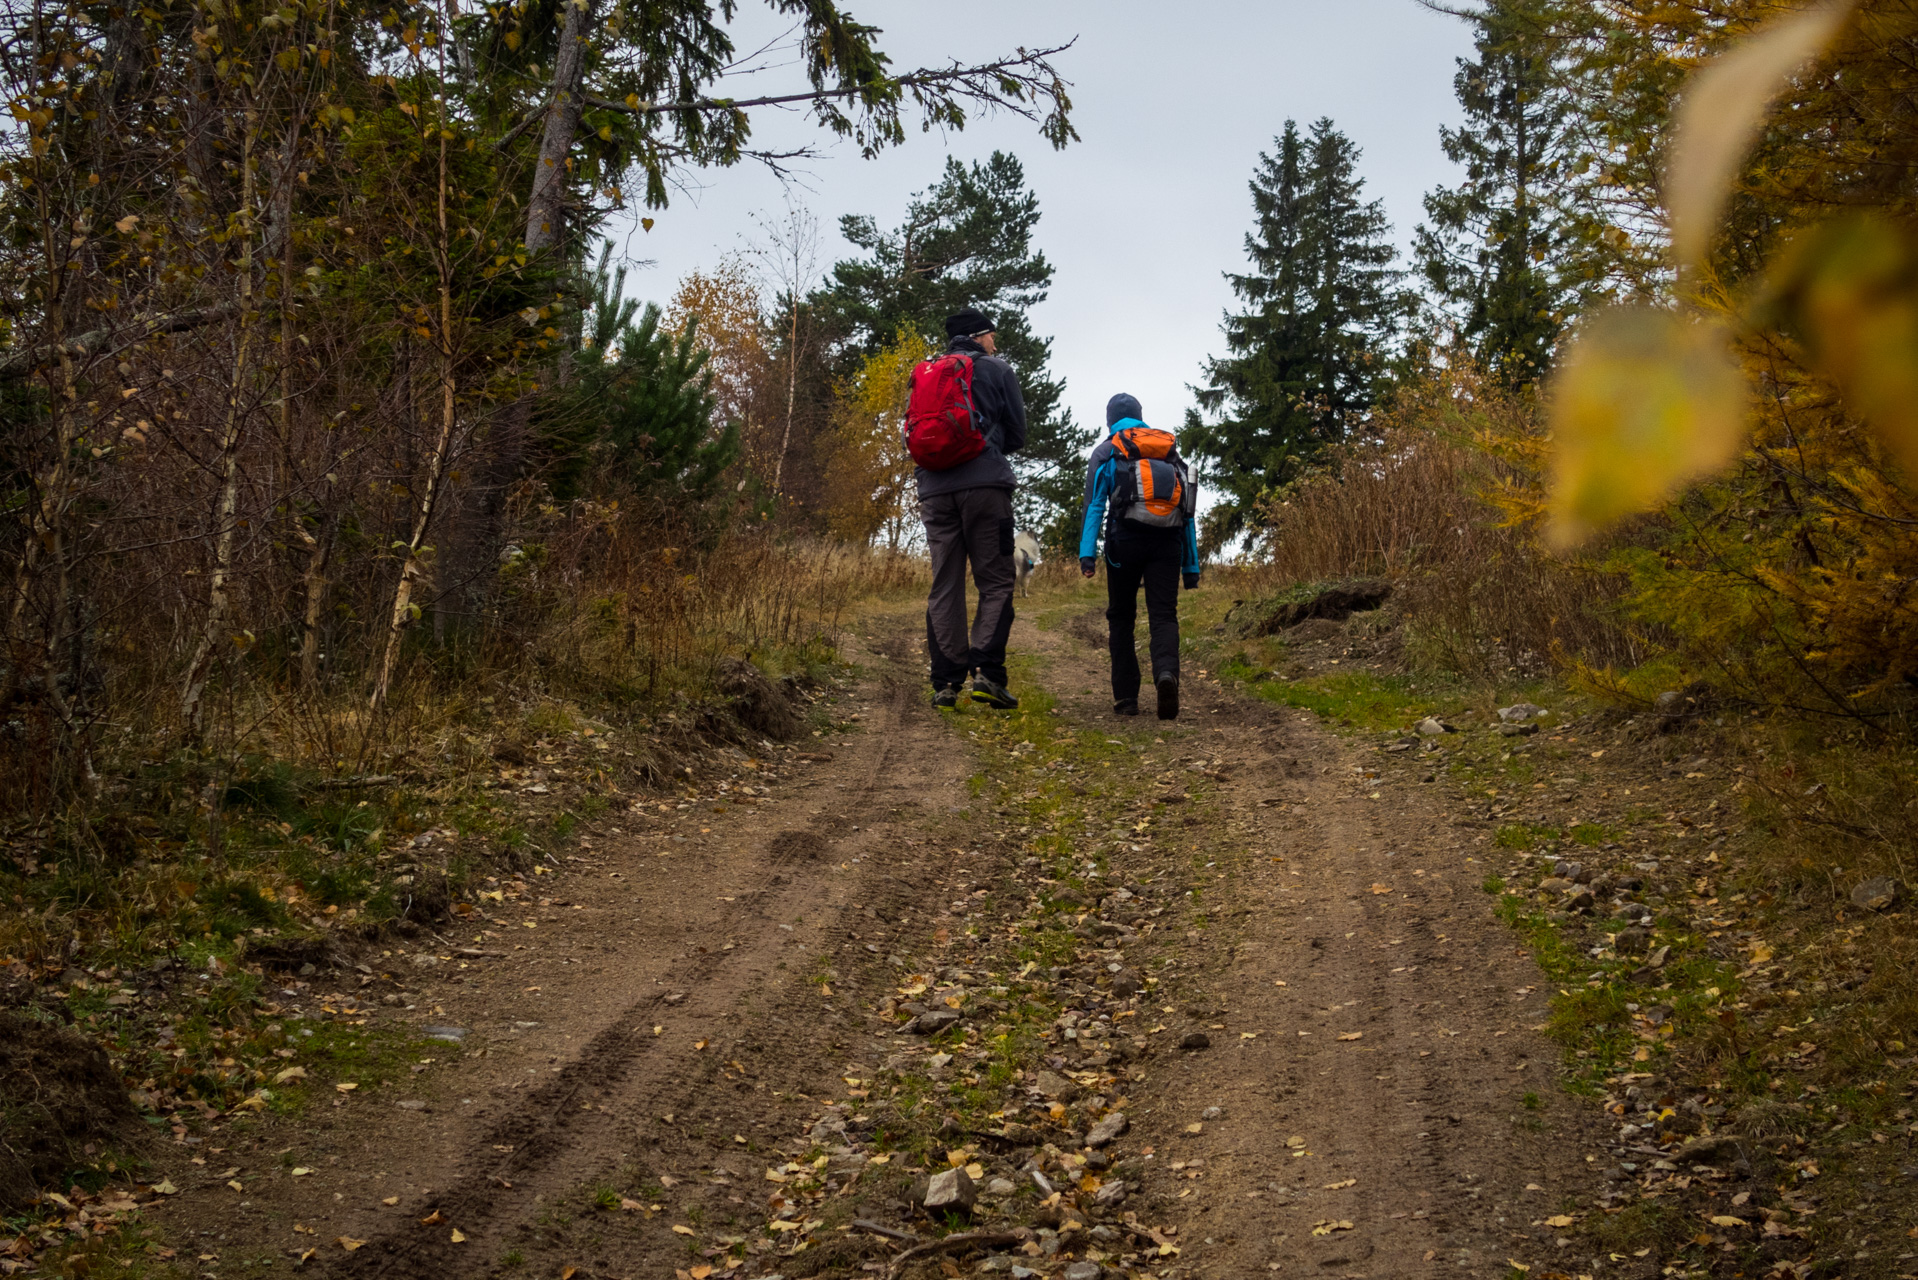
{"x": 968, "y": 324}
{"x": 1123, "y": 406}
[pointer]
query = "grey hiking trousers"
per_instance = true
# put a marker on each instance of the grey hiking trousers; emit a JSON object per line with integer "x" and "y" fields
{"x": 969, "y": 525}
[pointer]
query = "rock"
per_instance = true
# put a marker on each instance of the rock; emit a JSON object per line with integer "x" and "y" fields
{"x": 453, "y": 1034}
{"x": 1556, "y": 884}
{"x": 1212, "y": 1113}
{"x": 1107, "y": 1130}
{"x": 1635, "y": 911}
{"x": 1517, "y": 730}
{"x": 1880, "y": 893}
{"x": 1195, "y": 1040}
{"x": 1520, "y": 711}
{"x": 1111, "y": 1195}
{"x": 1023, "y": 1135}
{"x": 425, "y": 960}
{"x": 936, "y": 1065}
{"x": 1126, "y": 983}
{"x": 1433, "y": 727}
{"x": 950, "y": 1191}
{"x": 1580, "y": 901}
{"x": 932, "y": 1022}
{"x": 1084, "y": 1271}
{"x": 1000, "y": 1187}
{"x": 1566, "y": 870}
{"x": 1056, "y": 1087}
{"x": 1657, "y": 959}
{"x": 1632, "y": 941}
{"x": 1097, "y": 1161}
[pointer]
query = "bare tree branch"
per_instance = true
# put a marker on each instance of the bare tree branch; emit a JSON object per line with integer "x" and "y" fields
{"x": 23, "y": 364}
{"x": 1030, "y": 64}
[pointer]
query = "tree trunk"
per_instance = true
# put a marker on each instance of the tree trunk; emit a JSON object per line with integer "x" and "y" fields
{"x": 226, "y": 509}
{"x": 477, "y": 541}
{"x": 545, "y": 210}
{"x": 413, "y": 569}
{"x": 319, "y": 553}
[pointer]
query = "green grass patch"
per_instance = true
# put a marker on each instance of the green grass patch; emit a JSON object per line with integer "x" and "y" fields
{"x": 1355, "y": 698}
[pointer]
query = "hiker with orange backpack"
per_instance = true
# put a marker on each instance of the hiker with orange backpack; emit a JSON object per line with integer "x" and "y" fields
{"x": 1139, "y": 494}
{"x": 965, "y": 413}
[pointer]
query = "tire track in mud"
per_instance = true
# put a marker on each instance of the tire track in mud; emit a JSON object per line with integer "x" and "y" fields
{"x": 1368, "y": 1058}
{"x": 582, "y": 1123}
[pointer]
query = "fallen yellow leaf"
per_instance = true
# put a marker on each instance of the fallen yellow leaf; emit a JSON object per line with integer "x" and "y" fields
{"x": 1340, "y": 1186}
{"x": 1353, "y": 1035}
{"x": 349, "y": 1244}
{"x": 679, "y": 1230}
{"x": 1195, "y": 1127}
{"x": 459, "y": 1237}
{"x": 291, "y": 1073}
{"x": 346, "y": 1086}
{"x": 301, "y": 1172}
{"x": 699, "y": 1044}
{"x": 390, "y": 1200}
{"x": 1560, "y": 1220}
{"x": 1381, "y": 888}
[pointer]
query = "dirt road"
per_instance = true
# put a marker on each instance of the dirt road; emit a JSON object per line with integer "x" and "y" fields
{"x": 692, "y": 1048}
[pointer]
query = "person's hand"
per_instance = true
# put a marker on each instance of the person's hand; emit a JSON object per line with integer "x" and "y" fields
{"x": 1086, "y": 565}
{"x": 1191, "y": 582}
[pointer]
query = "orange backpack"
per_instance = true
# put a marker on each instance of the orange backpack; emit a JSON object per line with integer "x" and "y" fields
{"x": 1151, "y": 485}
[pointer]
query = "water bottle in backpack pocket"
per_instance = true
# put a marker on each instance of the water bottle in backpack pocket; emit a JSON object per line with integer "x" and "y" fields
{"x": 1151, "y": 485}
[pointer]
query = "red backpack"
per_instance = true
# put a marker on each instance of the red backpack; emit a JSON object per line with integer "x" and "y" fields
{"x": 941, "y": 428}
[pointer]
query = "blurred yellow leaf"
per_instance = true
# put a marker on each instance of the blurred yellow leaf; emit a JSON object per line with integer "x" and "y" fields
{"x": 1644, "y": 402}
{"x": 1560, "y": 1220}
{"x": 1851, "y": 289}
{"x": 1720, "y": 112}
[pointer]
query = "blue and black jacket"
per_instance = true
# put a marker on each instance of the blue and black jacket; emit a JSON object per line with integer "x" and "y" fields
{"x": 1102, "y": 470}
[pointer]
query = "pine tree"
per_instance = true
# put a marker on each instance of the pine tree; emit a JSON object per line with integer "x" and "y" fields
{"x": 1500, "y": 251}
{"x": 967, "y": 242}
{"x": 1307, "y": 357}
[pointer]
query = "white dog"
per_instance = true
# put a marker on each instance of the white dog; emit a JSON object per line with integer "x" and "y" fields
{"x": 1025, "y": 558}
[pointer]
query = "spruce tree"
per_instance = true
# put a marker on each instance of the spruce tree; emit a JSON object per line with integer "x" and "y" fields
{"x": 1501, "y": 252}
{"x": 1306, "y": 359}
{"x": 967, "y": 242}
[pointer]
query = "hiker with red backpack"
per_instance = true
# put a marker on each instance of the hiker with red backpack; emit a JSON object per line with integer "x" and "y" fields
{"x": 1140, "y": 496}
{"x": 964, "y": 415}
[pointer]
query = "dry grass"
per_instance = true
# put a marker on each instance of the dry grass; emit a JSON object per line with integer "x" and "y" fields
{"x": 1416, "y": 502}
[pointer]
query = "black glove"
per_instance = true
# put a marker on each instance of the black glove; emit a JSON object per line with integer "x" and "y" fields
{"x": 1087, "y": 564}
{"x": 1191, "y": 582}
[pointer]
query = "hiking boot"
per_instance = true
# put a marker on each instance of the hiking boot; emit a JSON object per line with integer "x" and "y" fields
{"x": 996, "y": 696}
{"x": 1168, "y": 685}
{"x": 946, "y": 699}
{"x": 1126, "y": 707}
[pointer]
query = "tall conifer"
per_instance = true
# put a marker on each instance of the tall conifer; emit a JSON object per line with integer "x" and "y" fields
{"x": 1504, "y": 253}
{"x": 1306, "y": 357}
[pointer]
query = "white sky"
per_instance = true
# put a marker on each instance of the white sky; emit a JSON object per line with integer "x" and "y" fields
{"x": 1174, "y": 103}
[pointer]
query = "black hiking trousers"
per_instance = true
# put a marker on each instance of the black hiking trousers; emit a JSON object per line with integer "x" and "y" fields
{"x": 1138, "y": 555}
{"x": 969, "y": 527}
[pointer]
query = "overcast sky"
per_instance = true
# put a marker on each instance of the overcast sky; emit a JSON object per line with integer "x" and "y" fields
{"x": 1173, "y": 102}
